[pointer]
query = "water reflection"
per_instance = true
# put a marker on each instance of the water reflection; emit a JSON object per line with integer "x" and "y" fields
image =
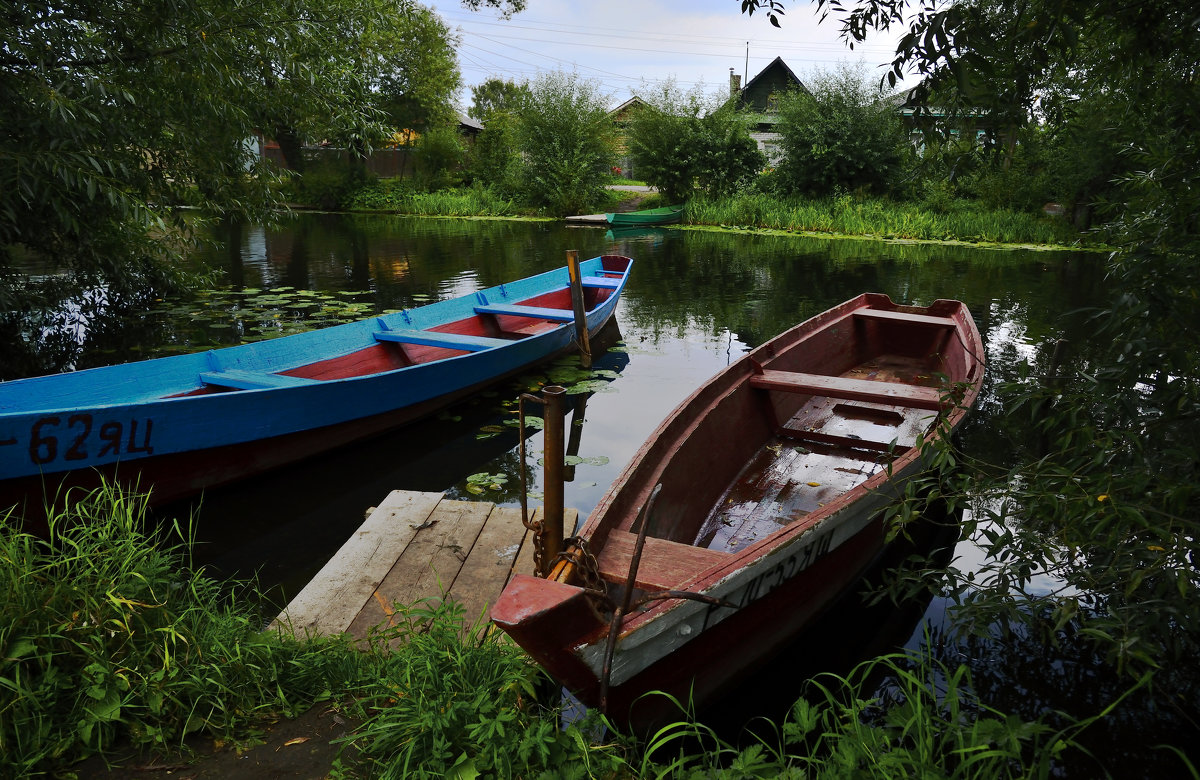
{"x": 695, "y": 301}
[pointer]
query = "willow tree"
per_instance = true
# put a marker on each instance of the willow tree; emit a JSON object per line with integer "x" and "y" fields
{"x": 116, "y": 111}
{"x": 1104, "y": 494}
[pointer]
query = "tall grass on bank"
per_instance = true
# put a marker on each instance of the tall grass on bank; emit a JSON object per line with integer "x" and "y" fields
{"x": 399, "y": 196}
{"x": 924, "y": 722}
{"x": 108, "y": 641}
{"x": 110, "y": 644}
{"x": 849, "y": 215}
{"x": 448, "y": 707}
{"x": 105, "y": 639}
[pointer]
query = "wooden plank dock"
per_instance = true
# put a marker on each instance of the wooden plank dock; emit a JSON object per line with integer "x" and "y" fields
{"x": 416, "y": 546}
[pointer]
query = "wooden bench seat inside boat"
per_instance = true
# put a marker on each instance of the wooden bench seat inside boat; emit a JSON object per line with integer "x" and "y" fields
{"x": 532, "y": 312}
{"x": 600, "y": 281}
{"x": 435, "y": 339}
{"x": 903, "y": 316}
{"x": 897, "y": 393}
{"x": 252, "y": 380}
{"x": 664, "y": 565}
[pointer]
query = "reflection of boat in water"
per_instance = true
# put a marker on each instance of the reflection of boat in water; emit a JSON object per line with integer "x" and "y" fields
{"x": 752, "y": 507}
{"x": 187, "y": 422}
{"x": 635, "y": 233}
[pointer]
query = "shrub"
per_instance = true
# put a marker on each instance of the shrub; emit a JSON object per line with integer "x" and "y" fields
{"x": 567, "y": 141}
{"x": 439, "y": 156}
{"x": 840, "y": 136}
{"x": 682, "y": 142}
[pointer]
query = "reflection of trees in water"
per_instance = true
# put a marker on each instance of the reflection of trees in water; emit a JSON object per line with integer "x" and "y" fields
{"x": 684, "y": 282}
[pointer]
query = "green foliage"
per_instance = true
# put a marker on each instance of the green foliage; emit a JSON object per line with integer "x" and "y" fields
{"x": 681, "y": 142}
{"x": 566, "y": 139}
{"x": 922, "y": 721}
{"x": 328, "y": 183}
{"x": 104, "y": 637}
{"x": 449, "y": 707}
{"x": 497, "y": 96}
{"x": 439, "y": 157}
{"x": 414, "y": 66}
{"x": 401, "y": 196}
{"x": 494, "y": 159}
{"x": 840, "y": 135}
{"x": 950, "y": 218}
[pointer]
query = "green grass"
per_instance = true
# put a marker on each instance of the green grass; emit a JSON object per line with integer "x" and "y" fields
{"x": 849, "y": 215}
{"x": 108, "y": 638}
{"x": 397, "y": 195}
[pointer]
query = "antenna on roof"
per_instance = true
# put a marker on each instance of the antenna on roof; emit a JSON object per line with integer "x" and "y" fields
{"x": 746, "y": 70}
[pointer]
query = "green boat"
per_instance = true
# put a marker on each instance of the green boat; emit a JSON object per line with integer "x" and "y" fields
{"x": 665, "y": 215}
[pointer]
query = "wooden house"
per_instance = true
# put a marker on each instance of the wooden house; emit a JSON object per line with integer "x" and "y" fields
{"x": 760, "y": 97}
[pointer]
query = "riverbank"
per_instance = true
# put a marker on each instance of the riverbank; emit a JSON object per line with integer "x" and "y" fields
{"x": 118, "y": 659}
{"x": 960, "y": 222}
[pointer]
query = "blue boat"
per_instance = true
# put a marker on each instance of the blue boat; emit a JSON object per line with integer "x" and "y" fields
{"x": 179, "y": 424}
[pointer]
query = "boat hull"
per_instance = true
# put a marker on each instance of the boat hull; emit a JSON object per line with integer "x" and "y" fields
{"x": 766, "y": 427}
{"x": 337, "y": 388}
{"x": 661, "y": 216}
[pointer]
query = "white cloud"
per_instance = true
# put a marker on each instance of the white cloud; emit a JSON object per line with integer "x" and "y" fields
{"x": 622, "y": 43}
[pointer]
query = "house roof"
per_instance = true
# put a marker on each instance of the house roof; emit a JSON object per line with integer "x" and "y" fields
{"x": 469, "y": 124}
{"x": 626, "y": 107}
{"x": 775, "y": 67}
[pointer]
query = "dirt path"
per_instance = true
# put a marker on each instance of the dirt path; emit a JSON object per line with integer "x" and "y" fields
{"x": 299, "y": 749}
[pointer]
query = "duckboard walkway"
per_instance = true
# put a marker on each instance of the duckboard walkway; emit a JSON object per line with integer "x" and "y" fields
{"x": 416, "y": 546}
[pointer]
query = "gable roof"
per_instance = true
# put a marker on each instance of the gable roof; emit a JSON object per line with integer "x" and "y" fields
{"x": 623, "y": 111}
{"x": 776, "y": 77}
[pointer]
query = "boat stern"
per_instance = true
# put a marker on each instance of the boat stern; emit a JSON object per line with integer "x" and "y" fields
{"x": 547, "y": 619}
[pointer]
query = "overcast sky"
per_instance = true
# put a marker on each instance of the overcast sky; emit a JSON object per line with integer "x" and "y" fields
{"x": 623, "y": 43}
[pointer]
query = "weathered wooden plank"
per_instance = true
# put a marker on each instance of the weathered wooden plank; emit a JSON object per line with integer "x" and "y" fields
{"x": 914, "y": 396}
{"x": 428, "y": 565}
{"x": 489, "y": 563}
{"x": 664, "y": 564}
{"x": 331, "y": 601}
{"x": 903, "y": 316}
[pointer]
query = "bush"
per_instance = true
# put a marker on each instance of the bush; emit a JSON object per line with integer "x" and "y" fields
{"x": 328, "y": 182}
{"x": 494, "y": 159}
{"x": 840, "y": 136}
{"x": 439, "y": 156}
{"x": 567, "y": 140}
{"x": 679, "y": 143}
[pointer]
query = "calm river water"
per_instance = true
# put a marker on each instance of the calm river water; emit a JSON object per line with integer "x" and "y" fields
{"x": 695, "y": 301}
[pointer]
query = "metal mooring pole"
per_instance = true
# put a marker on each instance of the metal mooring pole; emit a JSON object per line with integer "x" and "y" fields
{"x": 555, "y": 458}
{"x": 581, "y": 330}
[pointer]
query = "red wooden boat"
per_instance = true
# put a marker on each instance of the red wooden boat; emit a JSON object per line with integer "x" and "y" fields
{"x": 762, "y": 494}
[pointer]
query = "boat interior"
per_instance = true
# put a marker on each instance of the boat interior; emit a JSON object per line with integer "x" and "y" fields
{"x": 393, "y": 346}
{"x": 798, "y": 430}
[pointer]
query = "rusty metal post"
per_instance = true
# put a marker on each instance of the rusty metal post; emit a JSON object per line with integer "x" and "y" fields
{"x": 554, "y": 459}
{"x": 577, "y": 302}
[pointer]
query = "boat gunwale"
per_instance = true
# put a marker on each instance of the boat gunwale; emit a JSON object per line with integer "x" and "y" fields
{"x": 166, "y": 392}
{"x": 730, "y": 381}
